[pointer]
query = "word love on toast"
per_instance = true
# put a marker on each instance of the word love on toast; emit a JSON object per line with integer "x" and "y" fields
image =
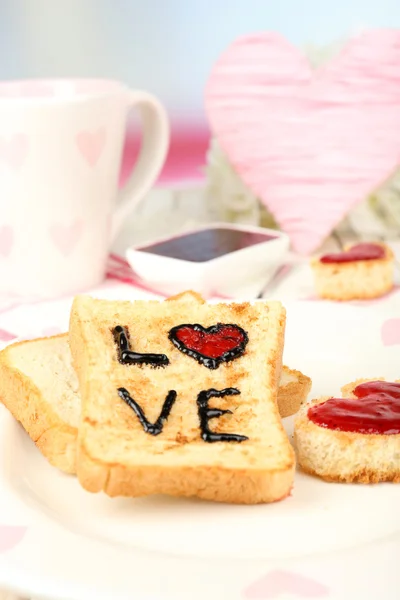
{"x": 143, "y": 429}
{"x": 223, "y": 342}
{"x": 355, "y": 438}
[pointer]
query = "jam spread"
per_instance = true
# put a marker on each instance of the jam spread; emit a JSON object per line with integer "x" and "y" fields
{"x": 375, "y": 410}
{"x": 201, "y": 246}
{"x": 127, "y": 357}
{"x": 355, "y": 253}
{"x": 210, "y": 346}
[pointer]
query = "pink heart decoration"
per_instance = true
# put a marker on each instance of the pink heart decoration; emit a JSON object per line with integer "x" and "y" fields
{"x": 14, "y": 150}
{"x": 310, "y": 144}
{"x": 91, "y": 145}
{"x": 277, "y": 583}
{"x": 6, "y": 240}
{"x": 10, "y": 536}
{"x": 7, "y": 336}
{"x": 390, "y": 332}
{"x": 66, "y": 237}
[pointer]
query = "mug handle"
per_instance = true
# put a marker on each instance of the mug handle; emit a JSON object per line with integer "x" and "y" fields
{"x": 155, "y": 142}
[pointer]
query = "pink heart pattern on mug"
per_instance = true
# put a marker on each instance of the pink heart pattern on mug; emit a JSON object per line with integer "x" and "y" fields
{"x": 278, "y": 583}
{"x": 6, "y": 240}
{"x": 309, "y": 143}
{"x": 14, "y": 150}
{"x": 91, "y": 145}
{"x": 66, "y": 237}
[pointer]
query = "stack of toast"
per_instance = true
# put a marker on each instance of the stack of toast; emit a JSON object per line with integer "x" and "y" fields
{"x": 176, "y": 397}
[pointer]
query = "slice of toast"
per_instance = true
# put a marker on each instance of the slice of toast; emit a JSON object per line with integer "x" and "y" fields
{"x": 147, "y": 430}
{"x": 38, "y": 385}
{"x": 346, "y": 456}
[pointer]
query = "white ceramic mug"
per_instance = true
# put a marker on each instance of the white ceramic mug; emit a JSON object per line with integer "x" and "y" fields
{"x": 61, "y": 145}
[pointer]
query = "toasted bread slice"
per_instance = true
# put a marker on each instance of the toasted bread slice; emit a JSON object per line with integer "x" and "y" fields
{"x": 345, "y": 456}
{"x": 39, "y": 387}
{"x": 122, "y": 456}
{"x": 357, "y": 280}
{"x": 293, "y": 391}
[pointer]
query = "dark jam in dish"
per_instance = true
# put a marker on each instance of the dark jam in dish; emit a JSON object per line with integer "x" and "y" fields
{"x": 375, "y": 410}
{"x": 207, "y": 244}
{"x": 210, "y": 346}
{"x": 356, "y": 253}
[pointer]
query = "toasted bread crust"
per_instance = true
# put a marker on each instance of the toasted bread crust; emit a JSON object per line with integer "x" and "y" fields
{"x": 55, "y": 439}
{"x": 345, "y": 457}
{"x": 358, "y": 280}
{"x": 189, "y": 296}
{"x": 293, "y": 394}
{"x": 211, "y": 481}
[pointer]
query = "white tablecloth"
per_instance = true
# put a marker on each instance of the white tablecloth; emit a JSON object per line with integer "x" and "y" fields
{"x": 15, "y": 322}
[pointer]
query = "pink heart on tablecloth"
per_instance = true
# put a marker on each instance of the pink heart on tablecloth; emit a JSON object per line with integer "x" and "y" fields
{"x": 91, "y": 145}
{"x": 6, "y": 240}
{"x": 7, "y": 336}
{"x": 66, "y": 237}
{"x": 10, "y": 536}
{"x": 310, "y": 144}
{"x": 390, "y": 332}
{"x": 14, "y": 150}
{"x": 276, "y": 583}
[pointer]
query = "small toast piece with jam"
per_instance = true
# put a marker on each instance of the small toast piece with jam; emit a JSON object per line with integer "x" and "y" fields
{"x": 363, "y": 271}
{"x": 355, "y": 438}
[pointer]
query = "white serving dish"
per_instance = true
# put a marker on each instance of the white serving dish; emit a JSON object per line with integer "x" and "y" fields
{"x": 226, "y": 275}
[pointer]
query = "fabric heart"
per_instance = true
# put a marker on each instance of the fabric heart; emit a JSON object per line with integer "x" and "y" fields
{"x": 310, "y": 144}
{"x": 6, "y": 240}
{"x": 390, "y": 332}
{"x": 66, "y": 237}
{"x": 378, "y": 413}
{"x": 277, "y": 583}
{"x": 10, "y": 536}
{"x": 91, "y": 145}
{"x": 14, "y": 150}
{"x": 210, "y": 346}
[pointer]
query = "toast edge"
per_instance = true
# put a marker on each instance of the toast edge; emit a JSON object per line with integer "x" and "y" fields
{"x": 292, "y": 395}
{"x": 53, "y": 437}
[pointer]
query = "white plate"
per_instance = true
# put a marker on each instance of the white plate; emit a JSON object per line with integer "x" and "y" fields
{"x": 335, "y": 541}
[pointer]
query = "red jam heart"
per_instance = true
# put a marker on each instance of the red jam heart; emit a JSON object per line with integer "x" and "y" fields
{"x": 210, "y": 346}
{"x": 375, "y": 410}
{"x": 355, "y": 253}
